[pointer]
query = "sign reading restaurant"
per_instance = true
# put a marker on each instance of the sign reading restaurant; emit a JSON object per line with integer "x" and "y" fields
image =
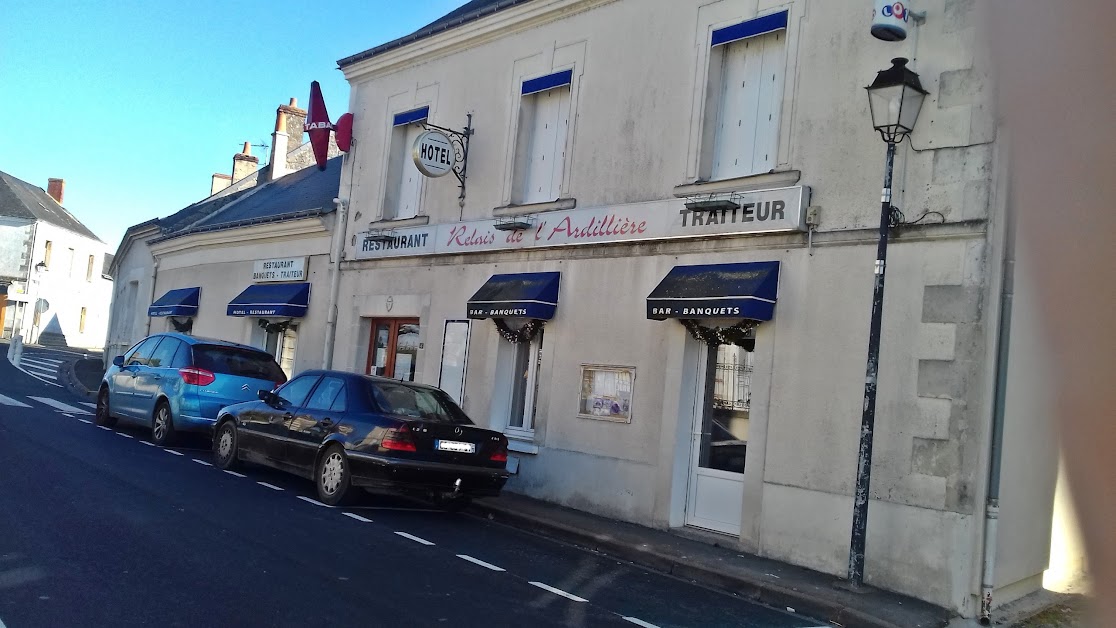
{"x": 761, "y": 211}
{"x": 283, "y": 269}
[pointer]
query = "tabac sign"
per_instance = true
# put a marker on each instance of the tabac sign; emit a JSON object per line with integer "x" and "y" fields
{"x": 761, "y": 211}
{"x": 283, "y": 269}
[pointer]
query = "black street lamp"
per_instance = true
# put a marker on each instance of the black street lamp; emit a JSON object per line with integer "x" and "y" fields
{"x": 895, "y": 98}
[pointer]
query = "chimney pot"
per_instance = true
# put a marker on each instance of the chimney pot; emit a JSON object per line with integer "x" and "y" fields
{"x": 294, "y": 101}
{"x": 247, "y": 149}
{"x": 56, "y": 189}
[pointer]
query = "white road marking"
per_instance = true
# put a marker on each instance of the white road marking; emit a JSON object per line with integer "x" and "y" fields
{"x": 639, "y": 622}
{"x": 171, "y": 451}
{"x": 313, "y": 501}
{"x": 357, "y": 517}
{"x": 124, "y": 435}
{"x": 201, "y": 462}
{"x": 148, "y": 443}
{"x": 30, "y": 374}
{"x": 67, "y": 415}
{"x": 105, "y": 428}
{"x": 40, "y": 362}
{"x": 239, "y": 475}
{"x": 86, "y": 421}
{"x": 271, "y": 486}
{"x": 480, "y": 562}
{"x": 8, "y": 401}
{"x": 547, "y": 587}
{"x": 414, "y": 538}
{"x": 58, "y": 405}
{"x": 89, "y": 404}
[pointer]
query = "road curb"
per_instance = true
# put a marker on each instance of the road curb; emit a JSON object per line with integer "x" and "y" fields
{"x": 763, "y": 592}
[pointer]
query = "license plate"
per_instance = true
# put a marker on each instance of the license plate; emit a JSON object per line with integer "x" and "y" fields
{"x": 457, "y": 446}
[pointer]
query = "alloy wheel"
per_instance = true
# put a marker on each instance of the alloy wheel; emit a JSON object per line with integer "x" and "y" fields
{"x": 162, "y": 419}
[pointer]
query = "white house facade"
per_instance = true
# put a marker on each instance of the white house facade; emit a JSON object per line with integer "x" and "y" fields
{"x": 656, "y": 277}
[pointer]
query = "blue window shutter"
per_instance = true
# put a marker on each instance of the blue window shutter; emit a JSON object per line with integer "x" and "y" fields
{"x": 413, "y": 115}
{"x": 550, "y": 81}
{"x": 750, "y": 28}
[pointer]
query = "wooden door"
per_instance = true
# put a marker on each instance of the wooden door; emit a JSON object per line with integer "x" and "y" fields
{"x": 393, "y": 346}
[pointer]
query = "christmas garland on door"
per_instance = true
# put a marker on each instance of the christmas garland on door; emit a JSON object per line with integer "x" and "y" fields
{"x": 526, "y": 333}
{"x": 739, "y": 334}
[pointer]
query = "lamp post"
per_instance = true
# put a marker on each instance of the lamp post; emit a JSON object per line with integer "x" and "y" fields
{"x": 895, "y": 98}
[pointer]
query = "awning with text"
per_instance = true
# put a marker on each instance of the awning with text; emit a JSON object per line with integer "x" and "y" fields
{"x": 518, "y": 295}
{"x": 180, "y": 302}
{"x": 745, "y": 290}
{"x": 272, "y": 299}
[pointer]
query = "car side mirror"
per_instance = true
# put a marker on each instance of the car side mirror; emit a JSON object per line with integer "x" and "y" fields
{"x": 270, "y": 398}
{"x": 118, "y": 361}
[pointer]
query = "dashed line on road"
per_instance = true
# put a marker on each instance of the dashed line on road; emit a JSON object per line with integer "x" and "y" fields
{"x": 104, "y": 428}
{"x": 414, "y": 538}
{"x": 547, "y": 587}
{"x": 8, "y": 401}
{"x": 89, "y": 404}
{"x": 313, "y": 501}
{"x": 68, "y": 416}
{"x": 638, "y": 622}
{"x": 171, "y": 451}
{"x": 124, "y": 435}
{"x": 239, "y": 475}
{"x": 357, "y": 517}
{"x": 201, "y": 462}
{"x": 148, "y": 443}
{"x": 271, "y": 486}
{"x": 86, "y": 421}
{"x": 477, "y": 561}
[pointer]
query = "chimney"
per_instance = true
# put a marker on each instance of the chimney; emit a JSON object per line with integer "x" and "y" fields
{"x": 56, "y": 187}
{"x": 244, "y": 163}
{"x": 296, "y": 117}
{"x": 220, "y": 181}
{"x": 279, "y": 137}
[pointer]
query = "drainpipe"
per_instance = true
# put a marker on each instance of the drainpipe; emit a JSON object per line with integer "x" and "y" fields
{"x": 1003, "y": 341}
{"x": 154, "y": 274}
{"x": 340, "y": 225}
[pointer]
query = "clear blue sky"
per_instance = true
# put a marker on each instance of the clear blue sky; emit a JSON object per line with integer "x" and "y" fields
{"x": 137, "y": 103}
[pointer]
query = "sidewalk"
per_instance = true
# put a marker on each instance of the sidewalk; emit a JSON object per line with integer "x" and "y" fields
{"x": 768, "y": 582}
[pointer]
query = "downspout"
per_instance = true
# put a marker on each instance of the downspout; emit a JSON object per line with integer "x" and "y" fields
{"x": 1003, "y": 341}
{"x": 154, "y": 275}
{"x": 339, "y": 228}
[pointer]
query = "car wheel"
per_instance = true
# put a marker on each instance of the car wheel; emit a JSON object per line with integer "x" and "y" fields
{"x": 225, "y": 445}
{"x": 104, "y": 412}
{"x": 333, "y": 478}
{"x": 162, "y": 425}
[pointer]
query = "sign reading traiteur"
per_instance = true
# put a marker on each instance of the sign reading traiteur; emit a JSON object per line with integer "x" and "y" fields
{"x": 282, "y": 269}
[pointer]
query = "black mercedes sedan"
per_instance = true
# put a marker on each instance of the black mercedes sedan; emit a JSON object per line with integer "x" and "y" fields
{"x": 347, "y": 431}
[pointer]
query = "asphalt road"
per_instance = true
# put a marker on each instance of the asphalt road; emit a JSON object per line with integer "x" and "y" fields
{"x": 100, "y": 527}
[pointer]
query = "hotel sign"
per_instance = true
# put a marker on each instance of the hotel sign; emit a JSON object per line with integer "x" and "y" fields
{"x": 761, "y": 211}
{"x": 283, "y": 269}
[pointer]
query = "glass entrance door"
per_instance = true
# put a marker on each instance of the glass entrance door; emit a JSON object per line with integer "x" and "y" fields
{"x": 393, "y": 348}
{"x": 715, "y": 496}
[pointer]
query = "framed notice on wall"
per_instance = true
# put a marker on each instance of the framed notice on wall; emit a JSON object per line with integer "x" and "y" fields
{"x": 606, "y": 393}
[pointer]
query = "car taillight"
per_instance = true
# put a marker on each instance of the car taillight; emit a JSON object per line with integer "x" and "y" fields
{"x": 399, "y": 440}
{"x": 196, "y": 376}
{"x": 501, "y": 453}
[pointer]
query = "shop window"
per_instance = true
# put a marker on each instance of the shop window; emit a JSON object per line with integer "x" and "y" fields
{"x": 81, "y": 322}
{"x": 89, "y": 269}
{"x": 393, "y": 348}
{"x": 280, "y": 340}
{"x": 540, "y": 151}
{"x": 746, "y": 67}
{"x": 515, "y": 395}
{"x": 70, "y": 265}
{"x": 404, "y": 181}
{"x": 46, "y": 254}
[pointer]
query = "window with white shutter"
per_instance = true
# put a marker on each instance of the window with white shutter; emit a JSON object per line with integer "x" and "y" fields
{"x": 544, "y": 119}
{"x": 404, "y": 181}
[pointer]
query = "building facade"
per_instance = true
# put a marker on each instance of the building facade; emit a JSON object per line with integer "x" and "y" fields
{"x": 656, "y": 277}
{"x": 54, "y": 290}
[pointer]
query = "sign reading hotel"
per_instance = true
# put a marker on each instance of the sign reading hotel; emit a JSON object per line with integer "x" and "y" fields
{"x": 761, "y": 211}
{"x": 283, "y": 269}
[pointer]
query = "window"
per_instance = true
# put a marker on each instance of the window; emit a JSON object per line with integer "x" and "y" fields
{"x": 89, "y": 269}
{"x": 294, "y": 392}
{"x": 46, "y": 253}
{"x": 182, "y": 358}
{"x": 239, "y": 362}
{"x": 404, "y": 181}
{"x": 143, "y": 351}
{"x": 746, "y": 67}
{"x": 393, "y": 349}
{"x": 540, "y": 151}
{"x": 421, "y": 403}
{"x": 326, "y": 393}
{"x": 279, "y": 342}
{"x": 455, "y": 357}
{"x": 516, "y": 392}
{"x": 81, "y": 322}
{"x": 70, "y": 265}
{"x": 164, "y": 354}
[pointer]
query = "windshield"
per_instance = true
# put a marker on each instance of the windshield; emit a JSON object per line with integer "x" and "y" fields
{"x": 420, "y": 403}
{"x": 238, "y": 362}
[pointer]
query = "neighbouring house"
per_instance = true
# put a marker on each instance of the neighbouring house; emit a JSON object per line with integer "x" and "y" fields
{"x": 141, "y": 270}
{"x": 53, "y": 286}
{"x": 656, "y": 278}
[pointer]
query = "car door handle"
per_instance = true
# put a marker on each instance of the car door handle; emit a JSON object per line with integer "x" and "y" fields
{"x": 326, "y": 422}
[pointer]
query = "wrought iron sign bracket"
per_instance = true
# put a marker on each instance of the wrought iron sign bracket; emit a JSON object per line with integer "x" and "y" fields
{"x": 460, "y": 141}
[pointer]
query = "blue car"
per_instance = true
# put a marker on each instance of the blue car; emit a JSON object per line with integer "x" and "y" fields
{"x": 178, "y": 383}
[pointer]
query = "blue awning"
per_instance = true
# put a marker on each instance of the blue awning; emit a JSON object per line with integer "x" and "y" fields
{"x": 272, "y": 299}
{"x": 716, "y": 291}
{"x": 180, "y": 302}
{"x": 520, "y": 295}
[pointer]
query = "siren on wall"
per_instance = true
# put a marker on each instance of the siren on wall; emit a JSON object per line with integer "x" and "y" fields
{"x": 890, "y": 19}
